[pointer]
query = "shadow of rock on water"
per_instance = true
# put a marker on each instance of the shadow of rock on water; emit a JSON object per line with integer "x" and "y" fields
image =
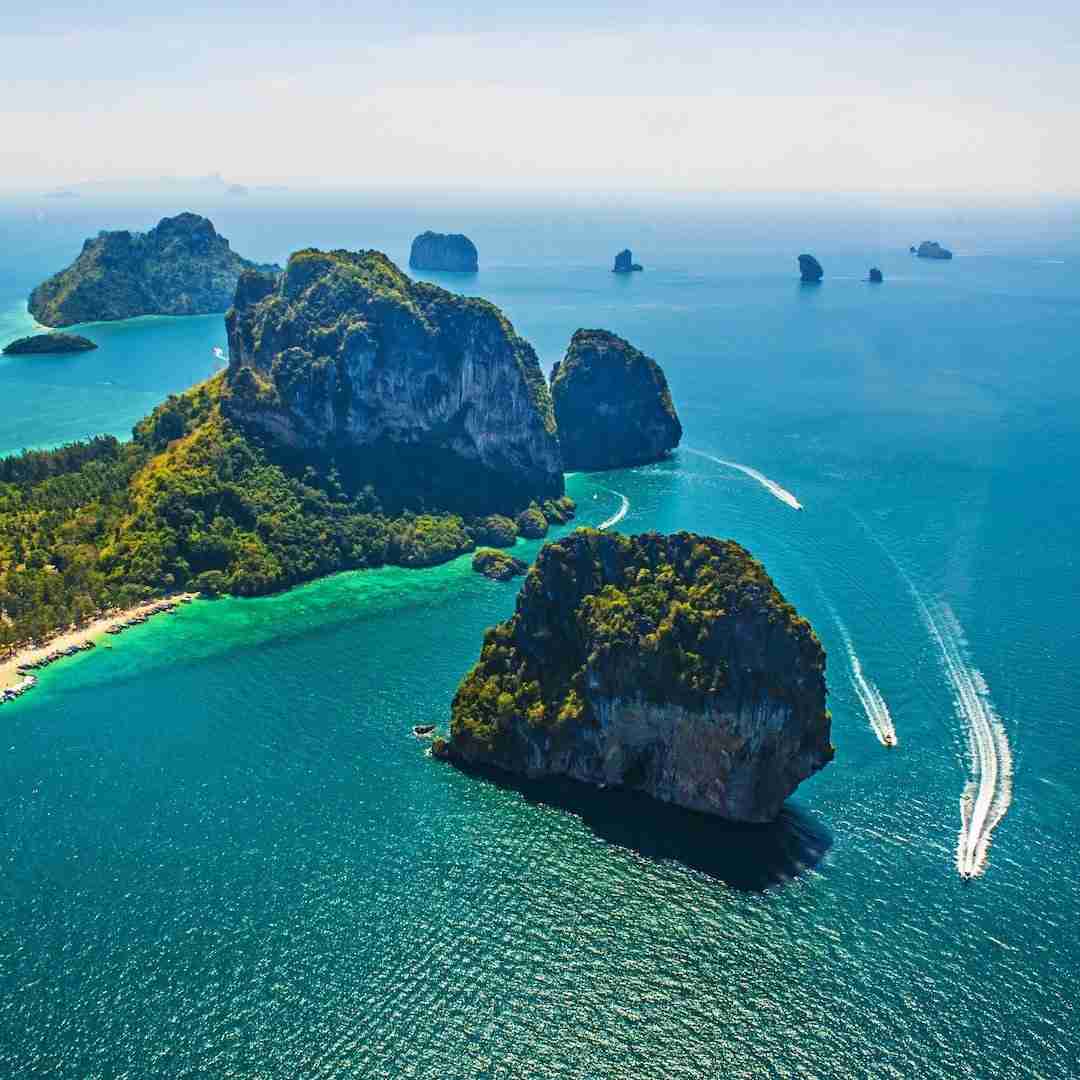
{"x": 750, "y": 858}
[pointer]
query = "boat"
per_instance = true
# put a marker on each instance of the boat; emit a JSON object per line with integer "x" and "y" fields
{"x": 422, "y": 731}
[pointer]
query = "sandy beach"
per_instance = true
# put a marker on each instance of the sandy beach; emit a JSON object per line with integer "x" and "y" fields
{"x": 92, "y": 631}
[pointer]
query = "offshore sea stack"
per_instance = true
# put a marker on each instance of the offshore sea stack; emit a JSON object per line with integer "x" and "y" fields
{"x": 443, "y": 251}
{"x": 180, "y": 267}
{"x": 429, "y": 396}
{"x": 931, "y": 249}
{"x": 810, "y": 271}
{"x": 669, "y": 665}
{"x": 46, "y": 344}
{"x": 612, "y": 404}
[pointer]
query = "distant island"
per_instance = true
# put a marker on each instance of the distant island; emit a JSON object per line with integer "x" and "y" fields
{"x": 931, "y": 249}
{"x": 180, "y": 267}
{"x": 443, "y": 251}
{"x": 612, "y": 404}
{"x": 364, "y": 419}
{"x": 45, "y": 344}
{"x": 876, "y": 277}
{"x": 624, "y": 263}
{"x": 669, "y": 665}
{"x": 810, "y": 271}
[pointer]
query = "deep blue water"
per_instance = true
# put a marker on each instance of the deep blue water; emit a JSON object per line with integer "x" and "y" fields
{"x": 223, "y": 854}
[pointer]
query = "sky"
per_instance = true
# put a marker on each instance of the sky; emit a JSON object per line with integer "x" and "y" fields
{"x": 770, "y": 97}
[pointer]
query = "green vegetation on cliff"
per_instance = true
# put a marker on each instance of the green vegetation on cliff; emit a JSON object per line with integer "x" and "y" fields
{"x": 179, "y": 267}
{"x": 191, "y": 502}
{"x": 639, "y": 616}
{"x": 429, "y": 396}
{"x": 612, "y": 404}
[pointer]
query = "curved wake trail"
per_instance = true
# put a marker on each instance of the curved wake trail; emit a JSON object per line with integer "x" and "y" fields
{"x": 619, "y": 514}
{"x": 877, "y": 712}
{"x": 771, "y": 486}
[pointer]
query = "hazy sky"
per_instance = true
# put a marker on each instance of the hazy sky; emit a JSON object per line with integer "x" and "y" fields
{"x": 843, "y": 97}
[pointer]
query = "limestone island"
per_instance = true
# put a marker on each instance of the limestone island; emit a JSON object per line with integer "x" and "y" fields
{"x": 180, "y": 267}
{"x": 876, "y": 277}
{"x": 612, "y": 404}
{"x": 624, "y": 263}
{"x": 931, "y": 249}
{"x": 364, "y": 419}
{"x": 668, "y": 665}
{"x": 443, "y": 251}
{"x": 46, "y": 344}
{"x": 810, "y": 271}
{"x": 497, "y": 565}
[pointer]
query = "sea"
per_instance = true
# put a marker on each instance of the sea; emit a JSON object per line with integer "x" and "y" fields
{"x": 223, "y": 853}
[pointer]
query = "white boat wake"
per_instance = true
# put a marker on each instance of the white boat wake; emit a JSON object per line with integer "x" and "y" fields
{"x": 877, "y": 711}
{"x": 771, "y": 486}
{"x": 619, "y": 514}
{"x": 988, "y": 793}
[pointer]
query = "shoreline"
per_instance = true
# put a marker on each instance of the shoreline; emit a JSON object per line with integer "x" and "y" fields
{"x": 85, "y": 637}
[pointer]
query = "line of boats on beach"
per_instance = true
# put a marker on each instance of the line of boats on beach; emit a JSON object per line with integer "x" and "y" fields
{"x": 29, "y": 681}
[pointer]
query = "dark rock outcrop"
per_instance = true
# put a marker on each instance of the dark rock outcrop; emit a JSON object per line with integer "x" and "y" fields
{"x": 624, "y": 263}
{"x": 810, "y": 270}
{"x": 876, "y": 276}
{"x": 443, "y": 251}
{"x": 180, "y": 267}
{"x": 669, "y": 665}
{"x": 40, "y": 344}
{"x": 428, "y": 396}
{"x": 532, "y": 524}
{"x": 931, "y": 249}
{"x": 497, "y": 565}
{"x": 495, "y": 530}
{"x": 612, "y": 404}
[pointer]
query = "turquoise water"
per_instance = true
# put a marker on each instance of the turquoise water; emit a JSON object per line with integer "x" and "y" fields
{"x": 224, "y": 854}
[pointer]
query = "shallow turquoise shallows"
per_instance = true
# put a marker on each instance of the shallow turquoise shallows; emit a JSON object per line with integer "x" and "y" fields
{"x": 224, "y": 854}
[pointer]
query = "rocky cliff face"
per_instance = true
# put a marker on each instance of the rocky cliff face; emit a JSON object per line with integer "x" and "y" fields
{"x": 443, "y": 251}
{"x": 931, "y": 249}
{"x": 429, "y": 396}
{"x": 810, "y": 269}
{"x": 669, "y": 665}
{"x": 612, "y": 404}
{"x": 180, "y": 267}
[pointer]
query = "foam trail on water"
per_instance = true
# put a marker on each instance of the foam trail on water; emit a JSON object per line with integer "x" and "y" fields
{"x": 619, "y": 514}
{"x": 771, "y": 486}
{"x": 988, "y": 793}
{"x": 877, "y": 711}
